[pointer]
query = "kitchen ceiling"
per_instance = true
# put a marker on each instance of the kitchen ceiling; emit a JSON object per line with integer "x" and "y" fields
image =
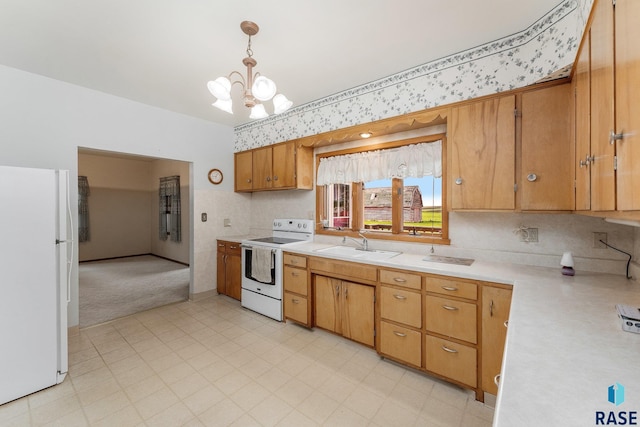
{"x": 163, "y": 52}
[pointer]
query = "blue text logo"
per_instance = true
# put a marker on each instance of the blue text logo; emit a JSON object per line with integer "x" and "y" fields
{"x": 620, "y": 418}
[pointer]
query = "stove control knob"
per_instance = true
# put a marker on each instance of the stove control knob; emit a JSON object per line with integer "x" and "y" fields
{"x": 304, "y": 225}
{"x": 299, "y": 225}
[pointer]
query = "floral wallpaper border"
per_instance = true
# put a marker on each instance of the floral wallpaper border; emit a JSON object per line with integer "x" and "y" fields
{"x": 546, "y": 50}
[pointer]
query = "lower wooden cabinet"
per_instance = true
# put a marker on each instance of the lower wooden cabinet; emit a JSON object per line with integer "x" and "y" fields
{"x": 401, "y": 343}
{"x": 229, "y": 270}
{"x": 452, "y": 360}
{"x": 295, "y": 277}
{"x": 345, "y": 308}
{"x": 496, "y": 303}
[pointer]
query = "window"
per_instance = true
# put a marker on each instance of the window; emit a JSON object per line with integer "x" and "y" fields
{"x": 393, "y": 191}
{"x": 83, "y": 209}
{"x": 169, "y": 209}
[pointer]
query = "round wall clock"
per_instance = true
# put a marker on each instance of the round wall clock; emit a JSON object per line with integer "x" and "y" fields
{"x": 215, "y": 176}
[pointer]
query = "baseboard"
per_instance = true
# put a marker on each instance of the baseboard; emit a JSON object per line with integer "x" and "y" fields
{"x": 73, "y": 331}
{"x": 202, "y": 295}
{"x": 132, "y": 256}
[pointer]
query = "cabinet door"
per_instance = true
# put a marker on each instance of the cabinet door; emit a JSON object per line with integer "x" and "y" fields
{"x": 234, "y": 276}
{"x": 496, "y": 303}
{"x": 262, "y": 168}
{"x": 602, "y": 108}
{"x": 582, "y": 81}
{"x": 627, "y": 16}
{"x": 327, "y": 304}
{"x": 358, "y": 312}
{"x": 284, "y": 165}
{"x": 547, "y": 168}
{"x": 221, "y": 273}
{"x": 243, "y": 171}
{"x": 482, "y": 137}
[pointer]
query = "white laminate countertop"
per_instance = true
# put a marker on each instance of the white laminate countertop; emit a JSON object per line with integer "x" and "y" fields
{"x": 565, "y": 345}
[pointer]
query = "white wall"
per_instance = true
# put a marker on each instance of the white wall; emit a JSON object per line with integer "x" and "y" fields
{"x": 44, "y": 121}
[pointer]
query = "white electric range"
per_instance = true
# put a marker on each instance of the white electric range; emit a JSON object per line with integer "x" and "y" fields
{"x": 262, "y": 292}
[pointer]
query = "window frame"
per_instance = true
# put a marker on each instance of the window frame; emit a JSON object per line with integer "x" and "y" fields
{"x": 357, "y": 190}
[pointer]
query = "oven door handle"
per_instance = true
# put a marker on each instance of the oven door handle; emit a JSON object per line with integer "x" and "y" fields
{"x": 243, "y": 246}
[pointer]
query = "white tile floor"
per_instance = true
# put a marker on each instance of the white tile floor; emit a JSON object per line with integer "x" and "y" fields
{"x": 213, "y": 363}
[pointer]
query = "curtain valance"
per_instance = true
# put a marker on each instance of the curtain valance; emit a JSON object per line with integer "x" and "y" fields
{"x": 409, "y": 161}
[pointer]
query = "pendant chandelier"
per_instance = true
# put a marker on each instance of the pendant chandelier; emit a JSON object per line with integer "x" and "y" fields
{"x": 256, "y": 88}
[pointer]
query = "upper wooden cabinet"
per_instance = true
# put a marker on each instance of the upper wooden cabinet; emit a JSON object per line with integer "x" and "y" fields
{"x": 275, "y": 167}
{"x": 607, "y": 84}
{"x": 602, "y": 108}
{"x": 627, "y": 16}
{"x": 508, "y": 158}
{"x": 482, "y": 141}
{"x": 582, "y": 111}
{"x": 546, "y": 172}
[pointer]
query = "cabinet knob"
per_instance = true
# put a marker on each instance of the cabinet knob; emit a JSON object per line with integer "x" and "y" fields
{"x": 458, "y": 181}
{"x": 496, "y": 379}
{"x": 248, "y": 180}
{"x": 613, "y": 137}
{"x": 295, "y": 301}
{"x": 532, "y": 177}
{"x": 275, "y": 178}
{"x": 506, "y": 323}
{"x": 268, "y": 178}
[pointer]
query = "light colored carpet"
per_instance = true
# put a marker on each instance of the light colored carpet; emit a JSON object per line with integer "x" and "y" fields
{"x": 119, "y": 287}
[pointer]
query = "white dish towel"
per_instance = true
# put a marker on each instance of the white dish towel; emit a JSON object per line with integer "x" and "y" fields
{"x": 261, "y": 264}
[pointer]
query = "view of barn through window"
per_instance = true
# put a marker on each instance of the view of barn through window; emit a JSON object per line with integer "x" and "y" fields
{"x": 421, "y": 210}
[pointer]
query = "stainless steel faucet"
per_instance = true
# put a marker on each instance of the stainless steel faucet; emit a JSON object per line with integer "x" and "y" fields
{"x": 364, "y": 244}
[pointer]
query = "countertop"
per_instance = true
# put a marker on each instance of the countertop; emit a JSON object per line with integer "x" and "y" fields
{"x": 565, "y": 345}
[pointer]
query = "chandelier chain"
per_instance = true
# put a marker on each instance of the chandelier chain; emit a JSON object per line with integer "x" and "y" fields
{"x": 249, "y": 51}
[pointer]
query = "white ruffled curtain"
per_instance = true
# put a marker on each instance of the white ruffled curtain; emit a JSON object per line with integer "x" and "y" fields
{"x": 409, "y": 161}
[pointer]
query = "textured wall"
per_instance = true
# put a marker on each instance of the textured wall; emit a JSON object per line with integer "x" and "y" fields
{"x": 547, "y": 48}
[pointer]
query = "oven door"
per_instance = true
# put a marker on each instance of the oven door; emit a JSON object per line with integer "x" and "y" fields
{"x": 273, "y": 288}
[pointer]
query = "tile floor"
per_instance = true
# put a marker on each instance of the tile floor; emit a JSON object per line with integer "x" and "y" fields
{"x": 213, "y": 363}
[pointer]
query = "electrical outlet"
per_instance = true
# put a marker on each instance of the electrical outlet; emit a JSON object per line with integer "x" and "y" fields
{"x": 529, "y": 235}
{"x": 597, "y": 237}
{"x": 203, "y": 217}
{"x": 227, "y": 222}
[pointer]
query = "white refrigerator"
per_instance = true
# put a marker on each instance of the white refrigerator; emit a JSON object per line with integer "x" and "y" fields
{"x": 35, "y": 265}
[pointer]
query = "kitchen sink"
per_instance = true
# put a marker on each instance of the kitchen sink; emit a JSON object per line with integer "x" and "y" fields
{"x": 448, "y": 260}
{"x": 356, "y": 253}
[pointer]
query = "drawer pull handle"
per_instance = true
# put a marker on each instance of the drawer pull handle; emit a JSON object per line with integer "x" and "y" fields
{"x": 449, "y": 350}
{"x": 496, "y": 379}
{"x": 400, "y": 334}
{"x": 295, "y": 274}
{"x": 449, "y": 288}
{"x": 295, "y": 301}
{"x": 506, "y": 323}
{"x": 400, "y": 280}
{"x": 293, "y": 261}
{"x": 233, "y": 247}
{"x": 450, "y": 308}
{"x": 396, "y": 296}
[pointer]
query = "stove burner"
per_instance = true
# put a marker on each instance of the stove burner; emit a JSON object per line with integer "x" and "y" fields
{"x": 276, "y": 240}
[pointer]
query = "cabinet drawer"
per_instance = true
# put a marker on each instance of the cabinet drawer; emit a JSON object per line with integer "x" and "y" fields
{"x": 294, "y": 260}
{"x": 399, "y": 278}
{"x": 452, "y": 287}
{"x": 401, "y": 306}
{"x": 295, "y": 280}
{"x": 401, "y": 343}
{"x": 233, "y": 248}
{"x": 451, "y": 318}
{"x": 295, "y": 308}
{"x": 345, "y": 269}
{"x": 452, "y": 360}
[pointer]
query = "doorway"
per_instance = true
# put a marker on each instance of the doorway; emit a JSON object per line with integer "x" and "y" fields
{"x": 125, "y": 266}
